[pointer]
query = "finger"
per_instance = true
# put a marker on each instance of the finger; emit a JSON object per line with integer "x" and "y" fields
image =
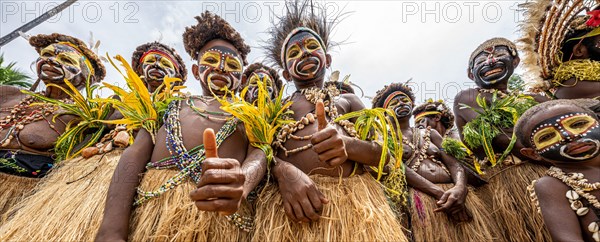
{"x": 324, "y": 199}
{"x": 299, "y": 212}
{"x": 221, "y": 176}
{"x": 319, "y": 146}
{"x": 320, "y": 111}
{"x": 207, "y": 193}
{"x": 309, "y": 210}
{"x": 315, "y": 200}
{"x": 219, "y": 163}
{"x": 321, "y": 136}
{"x": 223, "y": 206}
{"x": 210, "y": 144}
{"x": 290, "y": 213}
{"x": 443, "y": 199}
{"x": 448, "y": 204}
{"x": 336, "y": 161}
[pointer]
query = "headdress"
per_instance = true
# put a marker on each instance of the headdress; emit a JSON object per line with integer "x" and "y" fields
{"x": 491, "y": 43}
{"x": 549, "y": 25}
{"x": 210, "y": 27}
{"x": 142, "y": 50}
{"x": 42, "y": 41}
{"x": 388, "y": 92}
{"x": 433, "y": 108}
{"x": 301, "y": 16}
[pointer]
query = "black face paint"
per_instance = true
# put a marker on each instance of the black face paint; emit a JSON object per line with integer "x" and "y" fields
{"x": 493, "y": 66}
{"x": 570, "y": 137}
{"x": 220, "y": 67}
{"x": 305, "y": 57}
{"x": 266, "y": 79}
{"x": 400, "y": 103}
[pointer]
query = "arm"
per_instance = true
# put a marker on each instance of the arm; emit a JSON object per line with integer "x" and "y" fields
{"x": 456, "y": 170}
{"x": 416, "y": 181}
{"x": 559, "y": 218}
{"x": 254, "y": 168}
{"x": 119, "y": 201}
{"x": 364, "y": 152}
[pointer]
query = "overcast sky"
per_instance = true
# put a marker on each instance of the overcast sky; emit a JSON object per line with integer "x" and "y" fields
{"x": 385, "y": 41}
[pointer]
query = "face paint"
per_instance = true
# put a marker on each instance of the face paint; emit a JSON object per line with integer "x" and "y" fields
{"x": 492, "y": 66}
{"x": 570, "y": 137}
{"x": 156, "y": 65}
{"x": 305, "y": 57}
{"x": 400, "y": 103}
{"x": 220, "y": 67}
{"x": 62, "y": 61}
{"x": 264, "y": 77}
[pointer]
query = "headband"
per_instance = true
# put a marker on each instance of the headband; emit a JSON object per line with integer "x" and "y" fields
{"x": 160, "y": 53}
{"x": 420, "y": 116}
{"x": 294, "y": 32}
{"x": 392, "y": 96}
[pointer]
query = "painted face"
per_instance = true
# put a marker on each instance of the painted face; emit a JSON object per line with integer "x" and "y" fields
{"x": 220, "y": 67}
{"x": 156, "y": 65}
{"x": 400, "y": 103}
{"x": 263, "y": 76}
{"x": 492, "y": 66}
{"x": 426, "y": 121}
{"x": 305, "y": 57}
{"x": 570, "y": 137}
{"x": 62, "y": 61}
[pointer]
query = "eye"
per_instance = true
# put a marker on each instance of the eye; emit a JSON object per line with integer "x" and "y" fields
{"x": 68, "y": 60}
{"x": 546, "y": 137}
{"x": 47, "y": 54}
{"x": 211, "y": 60}
{"x": 293, "y": 53}
{"x": 579, "y": 124}
{"x": 232, "y": 65}
{"x": 166, "y": 63}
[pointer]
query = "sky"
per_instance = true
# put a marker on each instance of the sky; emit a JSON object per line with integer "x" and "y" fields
{"x": 428, "y": 42}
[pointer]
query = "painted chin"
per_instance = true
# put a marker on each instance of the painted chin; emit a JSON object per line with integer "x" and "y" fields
{"x": 581, "y": 150}
{"x": 494, "y": 74}
{"x": 402, "y": 111}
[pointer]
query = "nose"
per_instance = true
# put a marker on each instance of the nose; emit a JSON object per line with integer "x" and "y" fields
{"x": 491, "y": 59}
{"x": 568, "y": 137}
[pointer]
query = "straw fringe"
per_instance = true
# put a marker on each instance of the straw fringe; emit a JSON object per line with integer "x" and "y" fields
{"x": 174, "y": 217}
{"x": 432, "y": 226}
{"x": 67, "y": 205}
{"x": 14, "y": 189}
{"x": 357, "y": 211}
{"x": 511, "y": 205}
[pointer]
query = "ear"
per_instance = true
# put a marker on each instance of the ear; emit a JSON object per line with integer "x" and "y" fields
{"x": 437, "y": 117}
{"x": 531, "y": 154}
{"x": 470, "y": 74}
{"x": 195, "y": 71}
{"x": 328, "y": 60}
{"x": 516, "y": 61}
{"x": 580, "y": 51}
{"x": 286, "y": 75}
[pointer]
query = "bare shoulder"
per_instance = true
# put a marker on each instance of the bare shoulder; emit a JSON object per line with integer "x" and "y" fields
{"x": 352, "y": 101}
{"x": 466, "y": 96}
{"x": 547, "y": 187}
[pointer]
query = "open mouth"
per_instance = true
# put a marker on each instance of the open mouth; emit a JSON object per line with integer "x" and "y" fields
{"x": 51, "y": 73}
{"x": 308, "y": 65}
{"x": 493, "y": 72}
{"x": 156, "y": 74}
{"x": 582, "y": 149}
{"x": 402, "y": 111}
{"x": 218, "y": 82}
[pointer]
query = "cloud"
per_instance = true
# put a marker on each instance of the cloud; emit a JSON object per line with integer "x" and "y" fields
{"x": 386, "y": 41}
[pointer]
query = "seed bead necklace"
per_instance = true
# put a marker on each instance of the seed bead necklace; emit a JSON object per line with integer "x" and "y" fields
{"x": 313, "y": 95}
{"x": 422, "y": 152}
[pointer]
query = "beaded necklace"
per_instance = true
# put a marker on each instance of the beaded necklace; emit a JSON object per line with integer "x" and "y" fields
{"x": 18, "y": 117}
{"x": 205, "y": 113}
{"x": 313, "y": 95}
{"x": 501, "y": 94}
{"x": 580, "y": 188}
{"x": 421, "y": 153}
{"x": 189, "y": 162}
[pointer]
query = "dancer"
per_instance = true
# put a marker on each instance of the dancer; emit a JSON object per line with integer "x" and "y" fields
{"x": 154, "y": 61}
{"x": 437, "y": 182}
{"x": 322, "y": 191}
{"x": 566, "y": 134}
{"x": 560, "y": 46}
{"x": 180, "y": 164}
{"x": 28, "y": 132}
{"x": 490, "y": 67}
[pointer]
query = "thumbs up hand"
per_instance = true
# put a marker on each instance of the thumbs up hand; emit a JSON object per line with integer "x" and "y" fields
{"x": 328, "y": 142}
{"x": 221, "y": 185}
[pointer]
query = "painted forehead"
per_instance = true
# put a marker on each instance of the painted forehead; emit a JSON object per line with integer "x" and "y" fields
{"x": 301, "y": 37}
{"x": 224, "y": 50}
{"x": 493, "y": 49}
{"x": 58, "y": 47}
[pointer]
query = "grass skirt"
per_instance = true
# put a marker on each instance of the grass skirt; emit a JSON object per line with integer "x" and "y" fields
{"x": 67, "y": 205}
{"x": 428, "y": 225}
{"x": 357, "y": 211}
{"x": 173, "y": 216}
{"x": 14, "y": 188}
{"x": 506, "y": 191}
